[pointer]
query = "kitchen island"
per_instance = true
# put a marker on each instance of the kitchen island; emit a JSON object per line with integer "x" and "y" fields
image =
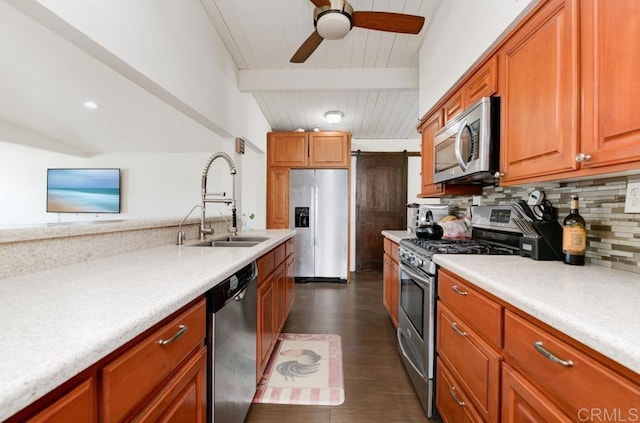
{"x": 60, "y": 321}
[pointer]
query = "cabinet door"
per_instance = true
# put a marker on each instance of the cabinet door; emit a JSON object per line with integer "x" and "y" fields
{"x": 184, "y": 397}
{"x": 454, "y": 106}
{"x": 290, "y": 284}
{"x": 387, "y": 288}
{"x": 473, "y": 362}
{"x": 329, "y": 149}
{"x": 266, "y": 323}
{"x": 79, "y": 405}
{"x": 278, "y": 198}
{"x": 539, "y": 94}
{"x": 287, "y": 149}
{"x": 451, "y": 402}
{"x": 611, "y": 89}
{"x": 483, "y": 83}
{"x": 428, "y": 129}
{"x": 523, "y": 403}
{"x": 280, "y": 280}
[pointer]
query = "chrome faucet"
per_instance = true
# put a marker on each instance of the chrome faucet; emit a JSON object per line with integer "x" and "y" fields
{"x": 208, "y": 197}
{"x": 181, "y": 235}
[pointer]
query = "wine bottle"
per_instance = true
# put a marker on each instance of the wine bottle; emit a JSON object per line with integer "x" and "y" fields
{"x": 574, "y": 235}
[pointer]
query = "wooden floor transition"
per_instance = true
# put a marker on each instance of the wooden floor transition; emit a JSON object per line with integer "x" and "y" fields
{"x": 377, "y": 387}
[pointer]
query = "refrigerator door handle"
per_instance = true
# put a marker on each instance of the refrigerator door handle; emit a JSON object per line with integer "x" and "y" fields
{"x": 315, "y": 214}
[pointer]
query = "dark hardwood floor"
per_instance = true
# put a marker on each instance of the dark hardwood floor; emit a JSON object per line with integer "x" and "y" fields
{"x": 377, "y": 387}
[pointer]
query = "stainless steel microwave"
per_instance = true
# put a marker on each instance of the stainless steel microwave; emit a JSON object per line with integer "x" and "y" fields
{"x": 466, "y": 149}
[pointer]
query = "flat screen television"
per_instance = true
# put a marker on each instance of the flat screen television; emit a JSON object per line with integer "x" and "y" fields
{"x": 83, "y": 190}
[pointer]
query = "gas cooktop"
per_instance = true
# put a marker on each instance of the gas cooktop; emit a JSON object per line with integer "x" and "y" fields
{"x": 457, "y": 246}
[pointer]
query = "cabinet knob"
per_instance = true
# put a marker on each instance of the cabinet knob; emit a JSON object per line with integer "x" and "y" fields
{"x": 581, "y": 157}
{"x": 498, "y": 175}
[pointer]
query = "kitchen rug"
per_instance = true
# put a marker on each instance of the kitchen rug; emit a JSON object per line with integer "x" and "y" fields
{"x": 304, "y": 369}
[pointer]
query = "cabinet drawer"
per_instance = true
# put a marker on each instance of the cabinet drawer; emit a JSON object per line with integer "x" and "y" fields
{"x": 280, "y": 254}
{"x": 471, "y": 306}
{"x": 133, "y": 376}
{"x": 266, "y": 264}
{"x": 78, "y": 405}
{"x": 585, "y": 383}
{"x": 473, "y": 361}
{"x": 452, "y": 403}
{"x": 391, "y": 248}
{"x": 290, "y": 247}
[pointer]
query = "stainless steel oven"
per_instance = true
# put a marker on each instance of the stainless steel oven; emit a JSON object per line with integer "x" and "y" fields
{"x": 416, "y": 317}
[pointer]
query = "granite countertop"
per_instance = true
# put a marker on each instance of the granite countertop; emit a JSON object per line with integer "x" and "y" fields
{"x": 595, "y": 305}
{"x": 58, "y": 322}
{"x": 397, "y": 236}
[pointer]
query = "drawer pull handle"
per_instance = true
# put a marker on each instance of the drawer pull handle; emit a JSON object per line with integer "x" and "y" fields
{"x": 182, "y": 329}
{"x": 454, "y": 326}
{"x": 457, "y": 290}
{"x": 542, "y": 350}
{"x": 452, "y": 391}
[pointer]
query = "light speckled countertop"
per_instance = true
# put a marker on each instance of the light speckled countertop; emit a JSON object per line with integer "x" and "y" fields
{"x": 58, "y": 322}
{"x": 595, "y": 305}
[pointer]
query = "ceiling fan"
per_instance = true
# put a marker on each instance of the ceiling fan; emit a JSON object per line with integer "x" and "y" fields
{"x": 333, "y": 19}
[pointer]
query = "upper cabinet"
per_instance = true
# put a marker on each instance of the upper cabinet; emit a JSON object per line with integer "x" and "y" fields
{"x": 309, "y": 149}
{"x": 568, "y": 82}
{"x": 610, "y": 61}
{"x": 539, "y": 94}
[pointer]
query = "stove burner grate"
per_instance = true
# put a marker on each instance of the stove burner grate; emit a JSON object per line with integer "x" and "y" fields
{"x": 461, "y": 246}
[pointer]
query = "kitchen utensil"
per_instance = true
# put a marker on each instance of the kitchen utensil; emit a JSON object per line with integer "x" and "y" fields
{"x": 545, "y": 211}
{"x": 526, "y": 227}
{"x": 429, "y": 229}
{"x": 535, "y": 198}
{"x": 524, "y": 209}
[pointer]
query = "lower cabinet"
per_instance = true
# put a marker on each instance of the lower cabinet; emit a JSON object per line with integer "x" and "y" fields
{"x": 498, "y": 364}
{"x": 79, "y": 405}
{"x": 391, "y": 280}
{"x": 276, "y": 293}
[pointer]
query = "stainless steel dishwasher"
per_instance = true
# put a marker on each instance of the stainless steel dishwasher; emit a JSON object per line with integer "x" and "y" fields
{"x": 232, "y": 311}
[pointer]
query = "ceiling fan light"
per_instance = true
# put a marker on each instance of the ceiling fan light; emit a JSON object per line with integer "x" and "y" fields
{"x": 333, "y": 25}
{"x": 333, "y": 116}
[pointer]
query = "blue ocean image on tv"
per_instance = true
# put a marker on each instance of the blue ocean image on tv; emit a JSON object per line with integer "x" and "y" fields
{"x": 83, "y": 190}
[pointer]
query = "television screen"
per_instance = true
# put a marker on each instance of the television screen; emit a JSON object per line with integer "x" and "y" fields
{"x": 83, "y": 190}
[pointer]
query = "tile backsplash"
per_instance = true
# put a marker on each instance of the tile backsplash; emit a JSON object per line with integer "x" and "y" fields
{"x": 613, "y": 236}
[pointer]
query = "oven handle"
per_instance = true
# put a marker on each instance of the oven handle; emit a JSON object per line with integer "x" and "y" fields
{"x": 404, "y": 353}
{"x": 422, "y": 280}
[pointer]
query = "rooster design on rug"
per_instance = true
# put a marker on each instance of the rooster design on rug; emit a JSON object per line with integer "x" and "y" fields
{"x": 304, "y": 364}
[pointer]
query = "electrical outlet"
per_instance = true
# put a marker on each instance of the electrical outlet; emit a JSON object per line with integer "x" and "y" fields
{"x": 632, "y": 201}
{"x": 477, "y": 200}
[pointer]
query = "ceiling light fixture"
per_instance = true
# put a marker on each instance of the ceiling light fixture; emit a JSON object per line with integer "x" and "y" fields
{"x": 91, "y": 105}
{"x": 333, "y": 116}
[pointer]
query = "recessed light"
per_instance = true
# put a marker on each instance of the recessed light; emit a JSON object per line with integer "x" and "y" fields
{"x": 91, "y": 105}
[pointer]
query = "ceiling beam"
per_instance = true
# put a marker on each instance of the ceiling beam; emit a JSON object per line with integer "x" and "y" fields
{"x": 392, "y": 79}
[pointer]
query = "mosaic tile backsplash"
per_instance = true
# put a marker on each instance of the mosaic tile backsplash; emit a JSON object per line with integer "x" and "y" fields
{"x": 613, "y": 236}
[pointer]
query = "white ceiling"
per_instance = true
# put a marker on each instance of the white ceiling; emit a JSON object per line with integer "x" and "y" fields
{"x": 371, "y": 76}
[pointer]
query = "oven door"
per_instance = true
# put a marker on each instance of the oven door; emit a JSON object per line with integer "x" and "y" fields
{"x": 416, "y": 314}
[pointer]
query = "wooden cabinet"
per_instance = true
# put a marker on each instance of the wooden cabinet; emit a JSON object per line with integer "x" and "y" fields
{"x": 79, "y": 405}
{"x": 276, "y": 293}
{"x": 428, "y": 129}
{"x": 309, "y": 149}
{"x": 183, "y": 399}
{"x": 278, "y": 198}
{"x": 570, "y": 376}
{"x": 299, "y": 150}
{"x": 469, "y": 349}
{"x": 482, "y": 83}
{"x": 391, "y": 280}
{"x": 151, "y": 364}
{"x": 453, "y": 404}
{"x": 523, "y": 403}
{"x": 610, "y": 129}
{"x": 539, "y": 94}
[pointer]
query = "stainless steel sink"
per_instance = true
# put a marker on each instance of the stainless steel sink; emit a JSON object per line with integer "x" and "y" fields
{"x": 233, "y": 241}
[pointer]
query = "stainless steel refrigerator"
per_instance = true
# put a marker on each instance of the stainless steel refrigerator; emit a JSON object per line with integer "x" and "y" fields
{"x": 318, "y": 210}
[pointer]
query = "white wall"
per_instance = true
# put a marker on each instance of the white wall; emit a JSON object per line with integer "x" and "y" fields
{"x": 153, "y": 185}
{"x": 177, "y": 51}
{"x": 459, "y": 34}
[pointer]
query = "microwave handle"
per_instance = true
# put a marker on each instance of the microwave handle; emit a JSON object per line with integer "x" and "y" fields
{"x": 458, "y": 147}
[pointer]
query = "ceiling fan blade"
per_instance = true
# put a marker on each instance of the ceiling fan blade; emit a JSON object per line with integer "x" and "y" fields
{"x": 307, "y": 48}
{"x": 390, "y": 22}
{"x": 320, "y": 3}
